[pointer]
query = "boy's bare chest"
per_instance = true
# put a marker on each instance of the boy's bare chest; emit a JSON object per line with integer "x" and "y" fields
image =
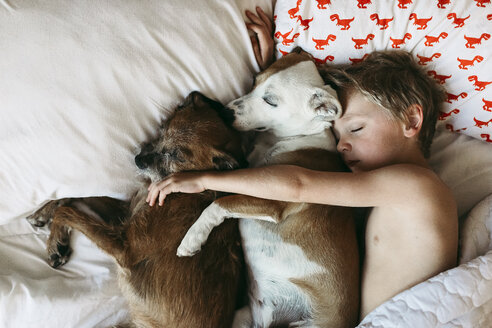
{"x": 389, "y": 228}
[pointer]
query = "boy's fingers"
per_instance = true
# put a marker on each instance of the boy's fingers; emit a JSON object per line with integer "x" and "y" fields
{"x": 255, "y": 19}
{"x": 266, "y": 20}
{"x": 153, "y": 196}
{"x": 162, "y": 196}
{"x": 256, "y": 50}
{"x": 257, "y": 29}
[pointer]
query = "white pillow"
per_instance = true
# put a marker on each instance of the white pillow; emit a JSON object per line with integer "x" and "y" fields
{"x": 476, "y": 234}
{"x": 454, "y": 36}
{"x": 464, "y": 164}
{"x": 84, "y": 83}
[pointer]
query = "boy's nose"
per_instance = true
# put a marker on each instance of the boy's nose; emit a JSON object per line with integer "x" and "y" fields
{"x": 343, "y": 146}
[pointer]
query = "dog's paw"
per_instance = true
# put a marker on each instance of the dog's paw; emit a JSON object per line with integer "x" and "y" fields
{"x": 59, "y": 255}
{"x": 189, "y": 246}
{"x": 182, "y": 252}
{"x": 45, "y": 214}
{"x": 38, "y": 219}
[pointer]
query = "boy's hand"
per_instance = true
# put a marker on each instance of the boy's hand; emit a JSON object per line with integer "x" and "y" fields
{"x": 263, "y": 45}
{"x": 187, "y": 182}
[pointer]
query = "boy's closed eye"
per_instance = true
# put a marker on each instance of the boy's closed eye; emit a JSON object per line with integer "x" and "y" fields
{"x": 356, "y": 129}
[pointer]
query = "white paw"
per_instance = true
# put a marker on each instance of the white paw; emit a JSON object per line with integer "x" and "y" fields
{"x": 190, "y": 245}
{"x": 184, "y": 251}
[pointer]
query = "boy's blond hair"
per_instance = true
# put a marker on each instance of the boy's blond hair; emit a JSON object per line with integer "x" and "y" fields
{"x": 394, "y": 81}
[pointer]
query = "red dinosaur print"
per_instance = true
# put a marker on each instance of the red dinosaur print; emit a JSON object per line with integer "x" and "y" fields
{"x": 451, "y": 97}
{"x": 479, "y": 85}
{"x": 424, "y": 60}
{"x": 383, "y": 22}
{"x": 450, "y": 127}
{"x": 396, "y": 43}
{"x": 361, "y": 42}
{"x": 430, "y": 40}
{"x": 421, "y": 22}
{"x": 323, "y": 61}
{"x": 402, "y": 4}
{"x": 320, "y": 44}
{"x": 304, "y": 22}
{"x": 344, "y": 23}
{"x": 489, "y": 16}
{"x": 283, "y": 52}
{"x": 486, "y": 137}
{"x": 479, "y": 124}
{"x": 288, "y": 42}
{"x": 323, "y": 3}
{"x": 442, "y": 3}
{"x": 487, "y": 104}
{"x": 481, "y": 3}
{"x": 464, "y": 63}
{"x": 285, "y": 40}
{"x": 444, "y": 115}
{"x": 459, "y": 22}
{"x": 293, "y": 12}
{"x": 279, "y": 35}
{"x": 439, "y": 78}
{"x": 471, "y": 42}
{"x": 363, "y": 3}
{"x": 358, "y": 60}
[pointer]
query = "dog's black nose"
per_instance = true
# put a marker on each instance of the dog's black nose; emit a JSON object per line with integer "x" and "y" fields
{"x": 226, "y": 114}
{"x": 143, "y": 160}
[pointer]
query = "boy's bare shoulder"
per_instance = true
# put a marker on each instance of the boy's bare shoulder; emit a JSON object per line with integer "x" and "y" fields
{"x": 415, "y": 184}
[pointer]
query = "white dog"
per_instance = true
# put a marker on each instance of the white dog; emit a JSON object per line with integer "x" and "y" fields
{"x": 302, "y": 259}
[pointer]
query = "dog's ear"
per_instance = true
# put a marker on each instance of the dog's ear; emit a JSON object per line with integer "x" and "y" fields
{"x": 325, "y": 104}
{"x": 223, "y": 161}
{"x": 300, "y": 51}
{"x": 194, "y": 99}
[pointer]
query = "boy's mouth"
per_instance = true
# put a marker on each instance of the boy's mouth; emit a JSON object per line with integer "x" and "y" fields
{"x": 351, "y": 163}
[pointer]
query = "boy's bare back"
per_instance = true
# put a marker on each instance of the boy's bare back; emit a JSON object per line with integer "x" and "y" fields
{"x": 408, "y": 242}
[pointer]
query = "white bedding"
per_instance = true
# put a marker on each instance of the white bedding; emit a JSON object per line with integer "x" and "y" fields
{"x": 84, "y": 83}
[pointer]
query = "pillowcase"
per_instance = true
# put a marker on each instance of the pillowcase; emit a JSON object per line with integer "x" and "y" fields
{"x": 84, "y": 83}
{"x": 451, "y": 39}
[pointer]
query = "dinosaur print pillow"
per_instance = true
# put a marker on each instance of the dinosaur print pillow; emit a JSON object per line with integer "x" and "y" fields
{"x": 450, "y": 38}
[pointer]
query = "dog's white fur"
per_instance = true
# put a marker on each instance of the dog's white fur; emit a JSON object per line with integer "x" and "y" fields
{"x": 293, "y": 109}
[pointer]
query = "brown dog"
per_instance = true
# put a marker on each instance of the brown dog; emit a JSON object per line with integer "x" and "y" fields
{"x": 162, "y": 289}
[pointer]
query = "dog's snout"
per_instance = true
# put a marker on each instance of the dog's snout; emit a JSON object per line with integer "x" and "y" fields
{"x": 143, "y": 161}
{"x": 227, "y": 115}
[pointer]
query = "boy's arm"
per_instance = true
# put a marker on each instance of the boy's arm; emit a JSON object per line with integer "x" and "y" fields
{"x": 387, "y": 185}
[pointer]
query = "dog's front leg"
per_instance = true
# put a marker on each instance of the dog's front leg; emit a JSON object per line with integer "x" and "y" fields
{"x": 106, "y": 236}
{"x": 237, "y": 207}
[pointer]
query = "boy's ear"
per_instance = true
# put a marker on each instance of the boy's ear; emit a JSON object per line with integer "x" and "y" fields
{"x": 415, "y": 118}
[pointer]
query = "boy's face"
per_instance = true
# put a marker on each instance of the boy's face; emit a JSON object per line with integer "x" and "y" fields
{"x": 367, "y": 137}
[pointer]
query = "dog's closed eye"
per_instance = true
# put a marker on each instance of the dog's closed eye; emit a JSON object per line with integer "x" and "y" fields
{"x": 176, "y": 154}
{"x": 270, "y": 100}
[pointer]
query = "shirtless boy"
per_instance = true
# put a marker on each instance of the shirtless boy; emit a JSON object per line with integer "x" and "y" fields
{"x": 390, "y": 109}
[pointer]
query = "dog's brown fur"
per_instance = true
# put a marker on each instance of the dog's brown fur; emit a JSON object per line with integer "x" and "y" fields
{"x": 162, "y": 289}
{"x": 325, "y": 233}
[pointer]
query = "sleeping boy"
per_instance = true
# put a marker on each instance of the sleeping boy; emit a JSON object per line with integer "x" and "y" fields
{"x": 390, "y": 107}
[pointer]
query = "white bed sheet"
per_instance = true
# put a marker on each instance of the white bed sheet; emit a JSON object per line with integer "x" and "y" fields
{"x": 82, "y": 85}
